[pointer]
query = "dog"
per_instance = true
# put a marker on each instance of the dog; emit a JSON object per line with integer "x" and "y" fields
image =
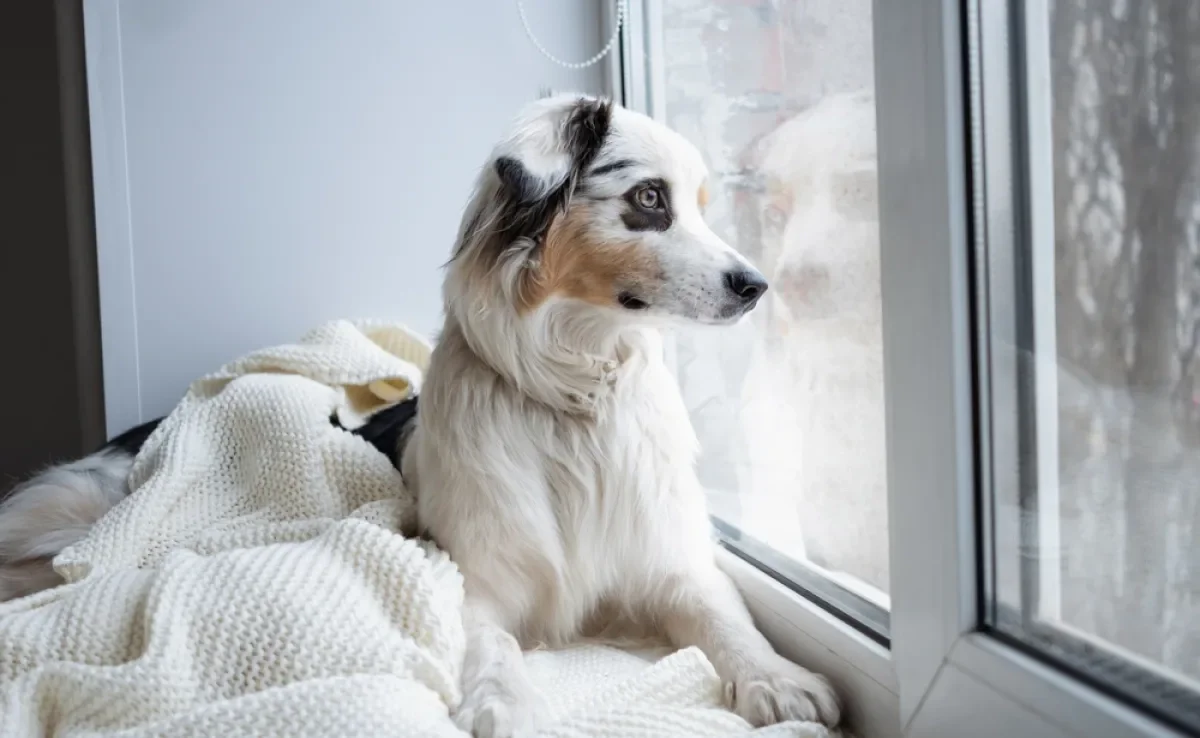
{"x": 550, "y": 450}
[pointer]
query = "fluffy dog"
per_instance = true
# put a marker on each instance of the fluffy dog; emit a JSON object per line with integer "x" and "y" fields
{"x": 552, "y": 455}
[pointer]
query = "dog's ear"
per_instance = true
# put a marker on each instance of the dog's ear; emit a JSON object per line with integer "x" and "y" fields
{"x": 548, "y": 160}
{"x": 586, "y": 130}
{"x": 516, "y": 182}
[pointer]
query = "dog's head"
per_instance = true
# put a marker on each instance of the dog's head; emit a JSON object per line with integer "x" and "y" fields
{"x": 588, "y": 203}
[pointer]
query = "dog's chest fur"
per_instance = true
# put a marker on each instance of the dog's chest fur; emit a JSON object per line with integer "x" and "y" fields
{"x": 617, "y": 478}
{"x": 556, "y": 514}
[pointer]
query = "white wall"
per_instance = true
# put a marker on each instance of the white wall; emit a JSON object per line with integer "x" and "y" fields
{"x": 265, "y": 165}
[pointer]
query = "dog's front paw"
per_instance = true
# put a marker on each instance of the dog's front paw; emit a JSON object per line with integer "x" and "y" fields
{"x": 492, "y": 710}
{"x": 780, "y": 690}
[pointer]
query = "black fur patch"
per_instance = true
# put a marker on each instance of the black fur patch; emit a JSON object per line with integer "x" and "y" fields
{"x": 132, "y": 440}
{"x": 526, "y": 213}
{"x": 612, "y": 166}
{"x": 587, "y": 129}
{"x": 517, "y": 182}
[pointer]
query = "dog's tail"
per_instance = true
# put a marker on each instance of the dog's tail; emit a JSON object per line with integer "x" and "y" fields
{"x": 57, "y": 507}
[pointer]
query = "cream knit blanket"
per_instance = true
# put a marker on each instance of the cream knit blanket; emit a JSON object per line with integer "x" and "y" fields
{"x": 258, "y": 583}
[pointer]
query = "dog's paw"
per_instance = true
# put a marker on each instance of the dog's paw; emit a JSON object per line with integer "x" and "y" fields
{"x": 494, "y": 711}
{"x": 779, "y": 691}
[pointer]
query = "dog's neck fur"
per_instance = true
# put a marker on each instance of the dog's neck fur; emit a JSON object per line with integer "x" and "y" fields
{"x": 560, "y": 355}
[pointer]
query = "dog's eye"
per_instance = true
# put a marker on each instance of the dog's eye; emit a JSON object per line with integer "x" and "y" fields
{"x": 629, "y": 302}
{"x": 648, "y": 198}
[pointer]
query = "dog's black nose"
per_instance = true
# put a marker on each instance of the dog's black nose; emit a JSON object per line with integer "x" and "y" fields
{"x": 746, "y": 284}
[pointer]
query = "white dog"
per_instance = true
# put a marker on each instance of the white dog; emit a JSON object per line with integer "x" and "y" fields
{"x": 552, "y": 455}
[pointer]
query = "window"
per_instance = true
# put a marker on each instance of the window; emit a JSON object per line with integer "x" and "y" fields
{"x": 789, "y": 405}
{"x": 1008, "y": 194}
{"x": 1094, "y": 326}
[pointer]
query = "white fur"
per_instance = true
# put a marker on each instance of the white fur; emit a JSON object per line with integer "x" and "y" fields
{"x": 51, "y": 511}
{"x": 553, "y": 456}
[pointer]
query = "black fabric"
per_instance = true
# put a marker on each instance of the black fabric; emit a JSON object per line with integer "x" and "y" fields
{"x": 385, "y": 430}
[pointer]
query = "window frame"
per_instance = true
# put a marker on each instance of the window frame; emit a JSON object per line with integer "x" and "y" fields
{"x": 1015, "y": 168}
{"x": 953, "y": 677}
{"x": 943, "y": 674}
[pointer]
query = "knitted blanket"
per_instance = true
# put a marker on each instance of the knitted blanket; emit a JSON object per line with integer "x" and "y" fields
{"x": 258, "y": 581}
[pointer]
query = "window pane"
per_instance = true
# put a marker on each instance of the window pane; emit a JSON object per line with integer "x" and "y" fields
{"x": 1097, "y": 532}
{"x": 789, "y": 404}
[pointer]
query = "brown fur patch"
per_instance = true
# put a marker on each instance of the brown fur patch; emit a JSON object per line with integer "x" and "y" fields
{"x": 573, "y": 263}
{"x": 702, "y": 196}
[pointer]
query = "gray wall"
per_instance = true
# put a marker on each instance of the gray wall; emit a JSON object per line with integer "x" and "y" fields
{"x": 265, "y": 165}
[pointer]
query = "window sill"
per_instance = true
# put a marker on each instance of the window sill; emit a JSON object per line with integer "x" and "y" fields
{"x": 854, "y": 601}
{"x": 860, "y": 668}
{"x": 1051, "y": 700}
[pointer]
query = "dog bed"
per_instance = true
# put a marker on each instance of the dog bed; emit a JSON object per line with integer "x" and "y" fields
{"x": 258, "y": 582}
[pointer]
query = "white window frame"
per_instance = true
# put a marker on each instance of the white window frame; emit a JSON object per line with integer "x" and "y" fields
{"x": 991, "y": 86}
{"x": 943, "y": 675}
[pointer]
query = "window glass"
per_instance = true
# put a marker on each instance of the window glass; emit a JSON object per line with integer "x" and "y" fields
{"x": 1097, "y": 531}
{"x": 789, "y": 405}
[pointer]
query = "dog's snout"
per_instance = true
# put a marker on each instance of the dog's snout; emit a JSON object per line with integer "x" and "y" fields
{"x": 747, "y": 284}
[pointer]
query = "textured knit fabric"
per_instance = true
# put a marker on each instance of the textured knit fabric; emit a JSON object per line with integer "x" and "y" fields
{"x": 258, "y": 582}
